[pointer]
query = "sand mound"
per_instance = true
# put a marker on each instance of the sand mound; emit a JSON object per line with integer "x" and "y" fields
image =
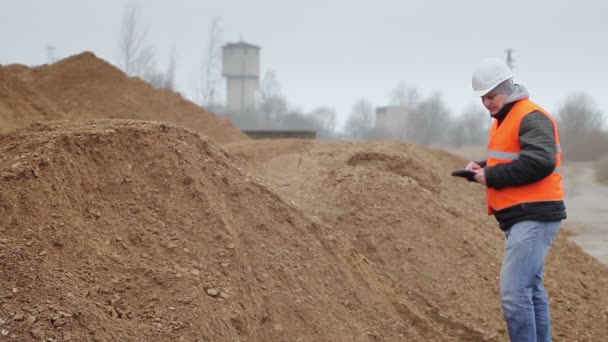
{"x": 134, "y": 231}
{"x": 86, "y": 87}
{"x": 144, "y": 231}
{"x": 398, "y": 205}
{"x": 20, "y": 104}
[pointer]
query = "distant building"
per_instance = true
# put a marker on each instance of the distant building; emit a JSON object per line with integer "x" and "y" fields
{"x": 392, "y": 120}
{"x": 241, "y": 67}
{"x": 281, "y": 134}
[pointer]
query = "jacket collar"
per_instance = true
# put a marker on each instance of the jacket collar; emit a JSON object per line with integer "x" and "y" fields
{"x": 502, "y": 113}
{"x": 519, "y": 93}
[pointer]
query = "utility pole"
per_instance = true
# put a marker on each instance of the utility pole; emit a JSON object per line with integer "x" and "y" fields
{"x": 510, "y": 59}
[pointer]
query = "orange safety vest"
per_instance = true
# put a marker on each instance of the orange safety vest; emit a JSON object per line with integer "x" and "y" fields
{"x": 503, "y": 147}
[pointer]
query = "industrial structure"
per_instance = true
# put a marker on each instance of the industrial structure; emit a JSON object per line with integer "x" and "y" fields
{"x": 241, "y": 67}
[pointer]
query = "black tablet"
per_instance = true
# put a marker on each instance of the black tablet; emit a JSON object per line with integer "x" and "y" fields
{"x": 469, "y": 175}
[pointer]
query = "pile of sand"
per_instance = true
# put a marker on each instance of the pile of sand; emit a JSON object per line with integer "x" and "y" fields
{"x": 20, "y": 104}
{"x": 398, "y": 205}
{"x": 86, "y": 87}
{"x": 144, "y": 231}
{"x": 123, "y": 230}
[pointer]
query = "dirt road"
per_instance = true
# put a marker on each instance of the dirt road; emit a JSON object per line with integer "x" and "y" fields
{"x": 587, "y": 205}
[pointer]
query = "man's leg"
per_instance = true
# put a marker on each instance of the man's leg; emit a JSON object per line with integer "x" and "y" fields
{"x": 525, "y": 251}
{"x": 539, "y": 295}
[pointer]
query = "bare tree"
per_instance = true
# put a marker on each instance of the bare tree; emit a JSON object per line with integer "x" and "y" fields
{"x": 326, "y": 117}
{"x": 581, "y": 123}
{"x": 428, "y": 122}
{"x": 360, "y": 123}
{"x": 271, "y": 102}
{"x": 270, "y": 108}
{"x": 579, "y": 115}
{"x": 170, "y": 73}
{"x": 145, "y": 64}
{"x": 135, "y": 56}
{"x": 269, "y": 86}
{"x": 159, "y": 79}
{"x": 405, "y": 96}
{"x": 457, "y": 134}
{"x": 470, "y": 128}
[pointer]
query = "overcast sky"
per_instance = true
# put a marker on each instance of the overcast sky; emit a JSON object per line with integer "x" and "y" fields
{"x": 333, "y": 53}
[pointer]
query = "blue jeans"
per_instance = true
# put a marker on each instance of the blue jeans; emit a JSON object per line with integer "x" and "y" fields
{"x": 524, "y": 300}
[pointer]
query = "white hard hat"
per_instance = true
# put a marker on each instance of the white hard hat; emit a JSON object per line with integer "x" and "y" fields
{"x": 488, "y": 74}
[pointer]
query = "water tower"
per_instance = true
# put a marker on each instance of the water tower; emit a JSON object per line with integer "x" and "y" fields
{"x": 241, "y": 67}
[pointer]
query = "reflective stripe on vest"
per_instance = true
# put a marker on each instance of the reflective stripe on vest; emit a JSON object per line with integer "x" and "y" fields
{"x": 503, "y": 147}
{"x": 502, "y": 154}
{"x": 512, "y": 155}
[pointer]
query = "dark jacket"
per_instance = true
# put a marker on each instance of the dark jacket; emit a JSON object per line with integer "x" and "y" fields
{"x": 536, "y": 161}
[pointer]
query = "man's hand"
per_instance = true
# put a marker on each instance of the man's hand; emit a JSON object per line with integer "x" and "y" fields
{"x": 480, "y": 176}
{"x": 472, "y": 166}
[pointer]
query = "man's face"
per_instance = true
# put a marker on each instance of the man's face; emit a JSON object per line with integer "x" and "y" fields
{"x": 493, "y": 102}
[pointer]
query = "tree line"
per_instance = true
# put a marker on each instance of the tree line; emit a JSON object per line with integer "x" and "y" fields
{"x": 429, "y": 120}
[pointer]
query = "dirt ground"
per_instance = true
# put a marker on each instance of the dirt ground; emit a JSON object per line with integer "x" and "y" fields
{"x": 396, "y": 203}
{"x": 173, "y": 242}
{"x": 139, "y": 230}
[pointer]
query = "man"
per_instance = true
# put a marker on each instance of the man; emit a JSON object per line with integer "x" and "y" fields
{"x": 524, "y": 192}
